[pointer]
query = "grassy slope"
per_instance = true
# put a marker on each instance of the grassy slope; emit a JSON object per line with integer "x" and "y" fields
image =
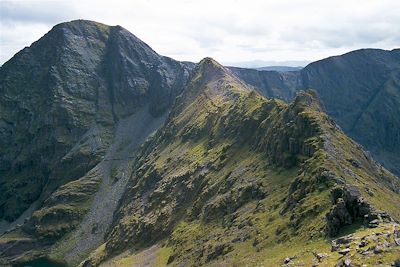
{"x": 236, "y": 179}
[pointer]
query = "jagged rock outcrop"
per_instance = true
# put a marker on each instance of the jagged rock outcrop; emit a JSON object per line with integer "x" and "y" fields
{"x": 348, "y": 208}
{"x": 361, "y": 93}
{"x": 348, "y": 171}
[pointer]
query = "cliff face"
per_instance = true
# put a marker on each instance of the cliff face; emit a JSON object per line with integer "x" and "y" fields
{"x": 360, "y": 90}
{"x": 274, "y": 84}
{"x": 61, "y": 98}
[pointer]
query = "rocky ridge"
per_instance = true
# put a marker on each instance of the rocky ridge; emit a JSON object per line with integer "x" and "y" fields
{"x": 228, "y": 177}
{"x": 198, "y": 182}
{"x": 360, "y": 90}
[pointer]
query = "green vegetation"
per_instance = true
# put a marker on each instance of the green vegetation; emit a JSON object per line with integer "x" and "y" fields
{"x": 64, "y": 209}
{"x": 233, "y": 178}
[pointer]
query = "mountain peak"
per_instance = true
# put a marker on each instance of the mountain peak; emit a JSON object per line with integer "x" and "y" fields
{"x": 92, "y": 29}
{"x": 87, "y": 73}
{"x": 310, "y": 99}
{"x": 82, "y": 27}
{"x": 210, "y": 62}
{"x": 81, "y": 22}
{"x": 211, "y": 68}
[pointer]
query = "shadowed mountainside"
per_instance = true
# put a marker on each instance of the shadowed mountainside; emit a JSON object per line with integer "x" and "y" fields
{"x": 77, "y": 101}
{"x": 61, "y": 98}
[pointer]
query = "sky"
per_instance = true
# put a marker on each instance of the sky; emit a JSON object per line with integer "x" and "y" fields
{"x": 250, "y": 33}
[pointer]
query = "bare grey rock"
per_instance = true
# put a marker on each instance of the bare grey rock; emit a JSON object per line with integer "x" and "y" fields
{"x": 344, "y": 251}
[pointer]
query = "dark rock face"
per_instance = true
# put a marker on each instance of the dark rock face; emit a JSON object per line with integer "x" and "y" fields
{"x": 60, "y": 99}
{"x": 16, "y": 247}
{"x": 348, "y": 207}
{"x": 360, "y": 90}
{"x": 274, "y": 84}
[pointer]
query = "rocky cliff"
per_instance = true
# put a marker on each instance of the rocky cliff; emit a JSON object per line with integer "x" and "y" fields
{"x": 274, "y": 84}
{"x": 360, "y": 90}
{"x": 61, "y": 98}
{"x": 74, "y": 103}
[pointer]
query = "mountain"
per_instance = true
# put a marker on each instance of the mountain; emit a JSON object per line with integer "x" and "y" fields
{"x": 280, "y": 68}
{"x": 68, "y": 104}
{"x": 54, "y": 126}
{"x": 231, "y": 175}
{"x": 122, "y": 157}
{"x": 274, "y": 84}
{"x": 360, "y": 90}
{"x": 254, "y": 64}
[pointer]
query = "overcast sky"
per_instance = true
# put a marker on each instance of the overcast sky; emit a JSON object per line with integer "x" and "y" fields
{"x": 231, "y": 31}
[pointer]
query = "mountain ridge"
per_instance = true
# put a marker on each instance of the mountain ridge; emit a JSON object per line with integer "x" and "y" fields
{"x": 189, "y": 165}
{"x": 359, "y": 90}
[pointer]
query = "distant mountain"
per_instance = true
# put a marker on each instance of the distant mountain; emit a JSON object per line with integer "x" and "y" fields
{"x": 254, "y": 64}
{"x": 112, "y": 155}
{"x": 274, "y": 84}
{"x": 280, "y": 68}
{"x": 360, "y": 90}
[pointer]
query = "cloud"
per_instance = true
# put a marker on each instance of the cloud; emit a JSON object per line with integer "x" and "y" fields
{"x": 49, "y": 12}
{"x": 228, "y": 30}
